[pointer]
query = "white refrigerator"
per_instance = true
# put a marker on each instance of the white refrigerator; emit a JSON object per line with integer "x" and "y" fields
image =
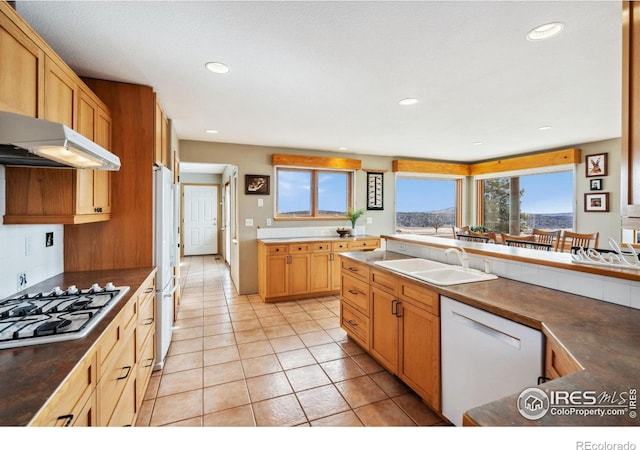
{"x": 165, "y": 257}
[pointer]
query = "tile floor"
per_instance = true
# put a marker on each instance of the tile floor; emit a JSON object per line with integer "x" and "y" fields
{"x": 237, "y": 361}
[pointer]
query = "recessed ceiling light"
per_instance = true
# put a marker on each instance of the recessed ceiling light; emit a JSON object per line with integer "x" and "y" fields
{"x": 211, "y": 131}
{"x": 545, "y": 31}
{"x": 545, "y": 127}
{"x": 408, "y": 101}
{"x": 342, "y": 148}
{"x": 477, "y": 143}
{"x": 217, "y": 67}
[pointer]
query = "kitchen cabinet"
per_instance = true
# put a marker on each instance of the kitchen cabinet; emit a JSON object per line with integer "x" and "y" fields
{"x": 558, "y": 362}
{"x": 304, "y": 268}
{"x": 161, "y": 136}
{"x": 404, "y": 325}
{"x": 22, "y": 69}
{"x": 60, "y": 94}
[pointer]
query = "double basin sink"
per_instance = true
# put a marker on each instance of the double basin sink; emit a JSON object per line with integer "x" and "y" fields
{"x": 435, "y": 272}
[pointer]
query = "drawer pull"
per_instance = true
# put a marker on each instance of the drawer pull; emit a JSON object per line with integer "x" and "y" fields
{"x": 353, "y": 269}
{"x": 352, "y": 323}
{"x": 127, "y": 374}
{"x": 351, "y": 291}
{"x": 299, "y": 248}
{"x": 150, "y": 362}
{"x": 149, "y": 321}
{"x": 69, "y": 419}
{"x": 277, "y": 250}
{"x": 148, "y": 290}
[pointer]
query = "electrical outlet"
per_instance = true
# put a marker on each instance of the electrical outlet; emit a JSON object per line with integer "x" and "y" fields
{"x": 48, "y": 242}
{"x": 268, "y": 221}
{"x": 369, "y": 220}
{"x": 260, "y": 203}
{"x": 248, "y": 222}
{"x": 28, "y": 245}
{"x": 22, "y": 280}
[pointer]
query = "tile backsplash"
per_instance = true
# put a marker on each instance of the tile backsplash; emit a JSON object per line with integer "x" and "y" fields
{"x": 23, "y": 250}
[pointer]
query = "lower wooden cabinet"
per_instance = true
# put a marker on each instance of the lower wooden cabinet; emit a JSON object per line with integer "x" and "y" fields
{"x": 302, "y": 269}
{"x": 107, "y": 386}
{"x": 558, "y": 361}
{"x": 403, "y": 319}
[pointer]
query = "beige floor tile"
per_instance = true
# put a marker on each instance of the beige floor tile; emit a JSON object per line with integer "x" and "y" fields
{"x": 307, "y": 377}
{"x": 368, "y": 364}
{"x": 253, "y": 349}
{"x": 257, "y": 334}
{"x": 188, "y": 423}
{"x": 383, "y": 414}
{"x": 315, "y": 338}
{"x": 279, "y": 331}
{"x": 286, "y": 343}
{"x": 288, "y": 308}
{"x": 351, "y": 347}
{"x": 186, "y": 380}
{"x": 189, "y": 323}
{"x": 184, "y": 361}
{"x": 327, "y": 352}
{"x": 223, "y": 373}
{"x": 260, "y": 365}
{"x": 323, "y": 313}
{"x": 188, "y": 314}
{"x": 337, "y": 334}
{"x": 344, "y": 419}
{"x": 214, "y": 320}
{"x": 186, "y": 333}
{"x": 218, "y": 340}
{"x": 322, "y": 401}
{"x": 268, "y": 386}
{"x": 241, "y": 416}
{"x": 242, "y": 307}
{"x": 361, "y": 391}
{"x": 215, "y": 310}
{"x": 217, "y": 328}
{"x": 267, "y": 310}
{"x": 342, "y": 369}
{"x": 152, "y": 387}
{"x": 185, "y": 346}
{"x": 307, "y": 326}
{"x": 295, "y": 317}
{"x": 225, "y": 396}
{"x": 414, "y": 407}
{"x": 390, "y": 384}
{"x": 278, "y": 412}
{"x": 221, "y": 355}
{"x": 272, "y": 321}
{"x": 177, "y": 407}
{"x": 295, "y": 358}
{"x": 241, "y": 316}
{"x": 144, "y": 416}
{"x": 244, "y": 325}
{"x": 329, "y": 323}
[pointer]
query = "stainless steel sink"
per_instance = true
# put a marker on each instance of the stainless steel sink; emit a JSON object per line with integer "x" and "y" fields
{"x": 435, "y": 272}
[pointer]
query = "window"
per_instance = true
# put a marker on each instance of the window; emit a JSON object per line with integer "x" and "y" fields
{"x": 518, "y": 204}
{"x": 308, "y": 193}
{"x": 427, "y": 205}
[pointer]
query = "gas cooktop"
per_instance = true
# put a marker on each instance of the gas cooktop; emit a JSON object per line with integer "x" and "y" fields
{"x": 46, "y": 317}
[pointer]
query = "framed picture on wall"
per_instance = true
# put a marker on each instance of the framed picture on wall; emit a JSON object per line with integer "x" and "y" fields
{"x": 256, "y": 184}
{"x": 596, "y": 165}
{"x": 596, "y": 202}
{"x": 596, "y": 184}
{"x": 375, "y": 186}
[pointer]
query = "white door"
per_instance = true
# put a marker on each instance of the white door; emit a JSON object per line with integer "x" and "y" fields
{"x": 200, "y": 220}
{"x": 227, "y": 223}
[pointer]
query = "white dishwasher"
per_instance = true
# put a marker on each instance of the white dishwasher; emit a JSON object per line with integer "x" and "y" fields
{"x": 484, "y": 357}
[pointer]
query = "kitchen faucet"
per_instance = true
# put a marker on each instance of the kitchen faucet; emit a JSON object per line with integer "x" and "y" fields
{"x": 462, "y": 256}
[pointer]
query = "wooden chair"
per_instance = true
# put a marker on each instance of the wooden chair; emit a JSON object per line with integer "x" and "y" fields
{"x": 570, "y": 240}
{"x": 470, "y": 238}
{"x": 547, "y": 237}
{"x": 460, "y": 230}
{"x": 516, "y": 238}
{"x": 490, "y": 234}
{"x": 529, "y": 244}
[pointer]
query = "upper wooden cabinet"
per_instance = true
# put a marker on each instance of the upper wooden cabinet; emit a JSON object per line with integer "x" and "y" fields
{"x": 630, "y": 161}
{"x": 161, "y": 136}
{"x": 34, "y": 81}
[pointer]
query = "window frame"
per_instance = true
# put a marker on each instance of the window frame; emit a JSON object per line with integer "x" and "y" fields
{"x": 459, "y": 187}
{"x": 314, "y": 215}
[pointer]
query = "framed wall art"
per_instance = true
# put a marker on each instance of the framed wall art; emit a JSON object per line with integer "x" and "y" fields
{"x": 596, "y": 202}
{"x": 596, "y": 165}
{"x": 596, "y": 184}
{"x": 375, "y": 187}
{"x": 256, "y": 184}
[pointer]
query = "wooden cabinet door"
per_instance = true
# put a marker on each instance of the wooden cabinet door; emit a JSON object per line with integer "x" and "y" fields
{"x": 60, "y": 94}
{"x": 384, "y": 329}
{"x": 277, "y": 275}
{"x": 22, "y": 69}
{"x": 299, "y": 273}
{"x": 321, "y": 272}
{"x": 419, "y": 351}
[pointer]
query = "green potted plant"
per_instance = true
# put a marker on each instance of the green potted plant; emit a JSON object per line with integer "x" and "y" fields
{"x": 353, "y": 215}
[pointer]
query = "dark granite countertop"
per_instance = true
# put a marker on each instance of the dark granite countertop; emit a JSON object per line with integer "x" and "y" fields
{"x": 30, "y": 375}
{"x": 604, "y": 339}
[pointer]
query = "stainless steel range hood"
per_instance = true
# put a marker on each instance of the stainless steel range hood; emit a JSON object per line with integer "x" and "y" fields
{"x": 25, "y": 141}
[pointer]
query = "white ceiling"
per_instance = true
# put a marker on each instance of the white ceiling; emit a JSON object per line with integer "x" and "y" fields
{"x": 324, "y": 75}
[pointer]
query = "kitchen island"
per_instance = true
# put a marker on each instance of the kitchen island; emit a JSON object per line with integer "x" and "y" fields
{"x": 600, "y": 340}
{"x": 30, "y": 375}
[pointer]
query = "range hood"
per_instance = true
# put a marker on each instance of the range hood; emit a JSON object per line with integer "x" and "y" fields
{"x": 25, "y": 141}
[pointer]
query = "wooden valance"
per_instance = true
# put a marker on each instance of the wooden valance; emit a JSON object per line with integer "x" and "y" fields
{"x": 316, "y": 161}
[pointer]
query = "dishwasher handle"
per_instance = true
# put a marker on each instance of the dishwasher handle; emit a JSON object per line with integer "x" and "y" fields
{"x": 489, "y": 331}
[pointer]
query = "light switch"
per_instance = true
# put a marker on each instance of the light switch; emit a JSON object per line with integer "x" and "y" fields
{"x": 260, "y": 203}
{"x": 248, "y": 222}
{"x": 369, "y": 220}
{"x": 268, "y": 221}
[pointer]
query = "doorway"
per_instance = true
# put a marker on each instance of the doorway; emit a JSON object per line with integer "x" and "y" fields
{"x": 200, "y": 215}
{"x": 227, "y": 222}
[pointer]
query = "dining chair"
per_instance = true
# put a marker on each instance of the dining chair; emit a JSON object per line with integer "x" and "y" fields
{"x": 529, "y": 244}
{"x": 547, "y": 237}
{"x": 489, "y": 234}
{"x": 470, "y": 238}
{"x": 570, "y": 240}
{"x": 516, "y": 237}
{"x": 460, "y": 230}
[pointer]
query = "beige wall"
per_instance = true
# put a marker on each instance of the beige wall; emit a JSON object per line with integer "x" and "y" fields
{"x": 251, "y": 159}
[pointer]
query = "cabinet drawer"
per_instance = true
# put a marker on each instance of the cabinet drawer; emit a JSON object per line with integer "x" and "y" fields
{"x": 117, "y": 330}
{"x": 299, "y": 248}
{"x": 355, "y": 269}
{"x": 320, "y": 247}
{"x": 339, "y": 246}
{"x": 277, "y": 249}
{"x": 421, "y": 296}
{"x": 384, "y": 280}
{"x": 146, "y": 320}
{"x": 558, "y": 361}
{"x": 125, "y": 411}
{"x": 355, "y": 324}
{"x": 65, "y": 406}
{"x": 144, "y": 362}
{"x": 114, "y": 379}
{"x": 356, "y": 292}
{"x": 364, "y": 244}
